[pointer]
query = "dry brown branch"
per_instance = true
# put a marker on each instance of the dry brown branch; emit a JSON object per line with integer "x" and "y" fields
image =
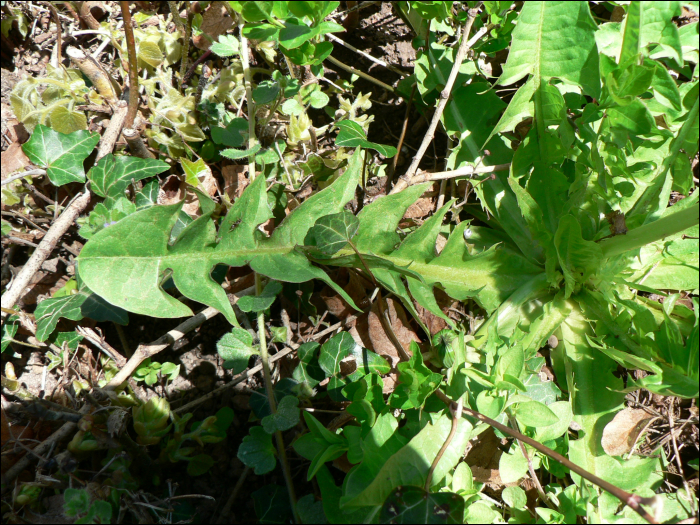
{"x": 95, "y": 73}
{"x": 48, "y": 243}
{"x": 425, "y": 176}
{"x": 133, "y": 65}
{"x": 111, "y": 134}
{"x": 136, "y": 144}
{"x": 444, "y": 95}
{"x": 145, "y": 351}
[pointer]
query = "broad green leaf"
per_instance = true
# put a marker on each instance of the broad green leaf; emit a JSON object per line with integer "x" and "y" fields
{"x": 226, "y": 46}
{"x": 578, "y": 258}
{"x": 308, "y": 369}
{"x": 334, "y": 351}
{"x": 295, "y": 33}
{"x": 310, "y": 510}
{"x": 414, "y": 505}
{"x": 634, "y": 118}
{"x": 410, "y": 464}
{"x": 286, "y": 417}
{"x": 199, "y": 464}
{"x": 332, "y": 232}
{"x": 61, "y": 155}
{"x": 235, "y": 348}
{"x": 535, "y": 414}
{"x": 352, "y": 135}
{"x": 512, "y": 467}
{"x": 50, "y": 311}
{"x": 231, "y": 135}
{"x": 65, "y": 121}
{"x": 416, "y": 382}
{"x": 260, "y": 303}
{"x": 331, "y": 495}
{"x": 543, "y": 31}
{"x": 150, "y": 53}
{"x": 266, "y": 92}
{"x": 112, "y": 174}
{"x": 135, "y": 252}
{"x": 235, "y": 154}
{"x": 9, "y": 329}
{"x": 271, "y": 502}
{"x": 514, "y": 497}
{"x": 489, "y": 404}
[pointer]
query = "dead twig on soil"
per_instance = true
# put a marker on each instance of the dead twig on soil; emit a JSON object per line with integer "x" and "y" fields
{"x": 59, "y": 40}
{"x": 46, "y": 246}
{"x": 114, "y": 129}
{"x": 359, "y": 73}
{"x": 444, "y": 95}
{"x": 145, "y": 351}
{"x": 133, "y": 65}
{"x": 16, "y": 176}
{"x": 92, "y": 69}
{"x": 367, "y": 56}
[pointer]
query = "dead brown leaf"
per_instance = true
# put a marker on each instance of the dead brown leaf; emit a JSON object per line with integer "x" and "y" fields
{"x": 622, "y": 432}
{"x": 381, "y": 344}
{"x": 235, "y": 180}
{"x": 421, "y": 208}
{"x": 215, "y": 22}
{"x": 13, "y": 160}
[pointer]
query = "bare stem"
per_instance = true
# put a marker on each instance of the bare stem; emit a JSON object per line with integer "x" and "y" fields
{"x": 359, "y": 73}
{"x": 251, "y": 105}
{"x": 456, "y": 416}
{"x": 444, "y": 95}
{"x": 133, "y": 65}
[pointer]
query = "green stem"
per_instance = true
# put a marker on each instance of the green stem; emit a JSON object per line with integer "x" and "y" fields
{"x": 666, "y": 226}
{"x": 249, "y": 97}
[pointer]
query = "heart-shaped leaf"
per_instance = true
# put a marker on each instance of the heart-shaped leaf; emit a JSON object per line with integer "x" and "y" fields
{"x": 111, "y": 175}
{"x": 286, "y": 417}
{"x": 235, "y": 348}
{"x": 257, "y": 451}
{"x": 331, "y": 233}
{"x": 61, "y": 155}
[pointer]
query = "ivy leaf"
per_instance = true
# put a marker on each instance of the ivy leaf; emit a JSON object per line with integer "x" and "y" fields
{"x": 415, "y": 505}
{"x": 235, "y": 348}
{"x": 331, "y": 233}
{"x": 61, "y": 155}
{"x": 416, "y": 382}
{"x": 226, "y": 46}
{"x": 352, "y": 135}
{"x": 257, "y": 451}
{"x": 50, "y": 311}
{"x": 308, "y": 370}
{"x": 9, "y": 330}
{"x": 260, "y": 303}
{"x": 286, "y": 417}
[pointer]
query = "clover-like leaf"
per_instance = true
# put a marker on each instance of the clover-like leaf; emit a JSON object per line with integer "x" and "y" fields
{"x": 352, "y": 135}
{"x": 226, "y": 46}
{"x": 331, "y": 233}
{"x": 235, "y": 348}
{"x": 257, "y": 451}
{"x": 260, "y": 303}
{"x": 61, "y": 155}
{"x": 286, "y": 417}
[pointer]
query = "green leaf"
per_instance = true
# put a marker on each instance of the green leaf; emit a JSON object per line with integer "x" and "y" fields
{"x": 414, "y": 505}
{"x": 514, "y": 497}
{"x": 235, "y": 348}
{"x": 295, "y": 33}
{"x": 76, "y": 501}
{"x": 409, "y": 465}
{"x": 257, "y": 451}
{"x": 512, "y": 467}
{"x": 310, "y": 510}
{"x": 544, "y": 29}
{"x": 308, "y": 369}
{"x": 260, "y": 303}
{"x": 235, "y": 154}
{"x": 61, "y": 155}
{"x": 271, "y": 502}
{"x": 416, "y": 382}
{"x": 232, "y": 134}
{"x": 578, "y": 258}
{"x": 287, "y": 416}
{"x": 266, "y": 92}
{"x": 50, "y": 311}
{"x": 535, "y": 414}
{"x": 226, "y": 46}
{"x": 112, "y": 175}
{"x": 352, "y": 135}
{"x": 9, "y": 329}
{"x": 200, "y": 464}
{"x": 490, "y": 404}
{"x": 150, "y": 53}
{"x": 332, "y": 232}
{"x": 66, "y": 121}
